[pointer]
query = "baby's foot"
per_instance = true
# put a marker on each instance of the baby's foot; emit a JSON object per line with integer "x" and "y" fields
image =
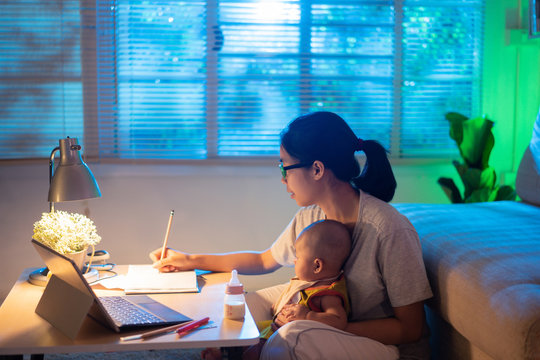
{"x": 211, "y": 354}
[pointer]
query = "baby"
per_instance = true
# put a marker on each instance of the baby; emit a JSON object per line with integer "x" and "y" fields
{"x": 317, "y": 292}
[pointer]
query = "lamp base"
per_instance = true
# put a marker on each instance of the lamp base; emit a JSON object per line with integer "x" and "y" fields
{"x": 40, "y": 277}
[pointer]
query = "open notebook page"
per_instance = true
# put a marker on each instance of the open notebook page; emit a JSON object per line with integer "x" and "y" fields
{"x": 146, "y": 279}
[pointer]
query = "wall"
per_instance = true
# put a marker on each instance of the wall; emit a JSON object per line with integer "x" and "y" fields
{"x": 511, "y": 82}
{"x": 217, "y": 209}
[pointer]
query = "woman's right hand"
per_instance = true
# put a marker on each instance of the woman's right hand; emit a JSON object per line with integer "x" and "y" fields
{"x": 173, "y": 260}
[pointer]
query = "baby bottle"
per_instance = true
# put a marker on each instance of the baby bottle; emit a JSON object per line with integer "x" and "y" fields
{"x": 235, "y": 303}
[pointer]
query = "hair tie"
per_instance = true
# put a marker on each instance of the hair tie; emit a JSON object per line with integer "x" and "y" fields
{"x": 359, "y": 145}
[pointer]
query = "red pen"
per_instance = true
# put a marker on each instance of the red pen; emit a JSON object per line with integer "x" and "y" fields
{"x": 191, "y": 326}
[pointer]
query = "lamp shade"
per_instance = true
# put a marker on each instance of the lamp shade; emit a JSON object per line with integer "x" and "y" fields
{"x": 72, "y": 179}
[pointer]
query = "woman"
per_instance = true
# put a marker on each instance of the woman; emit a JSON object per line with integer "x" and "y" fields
{"x": 385, "y": 273}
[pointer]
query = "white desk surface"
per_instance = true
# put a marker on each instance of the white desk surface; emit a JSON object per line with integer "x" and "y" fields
{"x": 22, "y": 331}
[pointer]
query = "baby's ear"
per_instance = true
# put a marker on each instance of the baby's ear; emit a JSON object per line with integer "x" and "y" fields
{"x": 317, "y": 265}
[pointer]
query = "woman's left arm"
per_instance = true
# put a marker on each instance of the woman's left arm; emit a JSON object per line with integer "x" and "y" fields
{"x": 404, "y": 327}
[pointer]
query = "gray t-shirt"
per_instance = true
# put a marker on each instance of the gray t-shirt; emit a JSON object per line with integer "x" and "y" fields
{"x": 385, "y": 268}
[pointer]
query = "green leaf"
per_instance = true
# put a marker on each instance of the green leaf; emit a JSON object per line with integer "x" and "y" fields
{"x": 456, "y": 126}
{"x": 488, "y": 146}
{"x": 488, "y": 178}
{"x": 476, "y": 179}
{"x": 505, "y": 192}
{"x": 493, "y": 194}
{"x": 461, "y": 168}
{"x": 450, "y": 189}
{"x": 480, "y": 195}
{"x": 478, "y": 141}
{"x": 470, "y": 178}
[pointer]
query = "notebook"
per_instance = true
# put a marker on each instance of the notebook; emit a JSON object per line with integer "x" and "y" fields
{"x": 144, "y": 279}
{"x": 68, "y": 298}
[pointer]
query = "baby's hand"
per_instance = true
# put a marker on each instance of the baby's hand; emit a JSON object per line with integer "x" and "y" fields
{"x": 295, "y": 312}
{"x": 279, "y": 321}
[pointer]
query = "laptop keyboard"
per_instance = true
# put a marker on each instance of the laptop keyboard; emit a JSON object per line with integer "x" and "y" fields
{"x": 126, "y": 313}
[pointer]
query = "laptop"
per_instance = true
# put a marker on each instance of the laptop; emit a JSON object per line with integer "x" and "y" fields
{"x": 68, "y": 298}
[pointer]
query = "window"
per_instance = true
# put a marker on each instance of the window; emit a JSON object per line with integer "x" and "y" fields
{"x": 40, "y": 76}
{"x": 220, "y": 78}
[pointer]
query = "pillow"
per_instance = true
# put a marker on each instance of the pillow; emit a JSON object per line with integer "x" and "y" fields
{"x": 528, "y": 175}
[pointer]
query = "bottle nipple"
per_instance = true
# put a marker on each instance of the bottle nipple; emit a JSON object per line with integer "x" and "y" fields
{"x": 234, "y": 277}
{"x": 234, "y": 286}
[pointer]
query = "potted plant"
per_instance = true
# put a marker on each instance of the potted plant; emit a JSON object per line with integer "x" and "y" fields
{"x": 67, "y": 233}
{"x": 475, "y": 142}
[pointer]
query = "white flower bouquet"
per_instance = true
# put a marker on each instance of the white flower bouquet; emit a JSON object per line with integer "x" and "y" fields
{"x": 66, "y": 232}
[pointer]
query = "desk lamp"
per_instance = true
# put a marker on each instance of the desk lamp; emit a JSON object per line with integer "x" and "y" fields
{"x": 72, "y": 180}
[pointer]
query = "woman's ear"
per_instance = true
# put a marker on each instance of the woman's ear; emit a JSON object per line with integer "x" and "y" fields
{"x": 318, "y": 169}
{"x": 317, "y": 265}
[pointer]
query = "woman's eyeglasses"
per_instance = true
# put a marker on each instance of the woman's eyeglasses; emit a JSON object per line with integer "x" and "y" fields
{"x": 295, "y": 166}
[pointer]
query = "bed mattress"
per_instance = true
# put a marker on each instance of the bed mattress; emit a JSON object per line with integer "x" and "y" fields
{"x": 483, "y": 262}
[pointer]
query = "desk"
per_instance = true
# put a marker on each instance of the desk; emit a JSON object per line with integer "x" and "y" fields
{"x": 22, "y": 331}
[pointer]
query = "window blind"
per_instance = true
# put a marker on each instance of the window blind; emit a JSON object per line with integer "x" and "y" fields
{"x": 442, "y": 42}
{"x": 219, "y": 79}
{"x": 229, "y": 75}
{"x": 40, "y": 76}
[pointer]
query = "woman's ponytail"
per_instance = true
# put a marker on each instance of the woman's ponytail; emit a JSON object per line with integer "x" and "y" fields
{"x": 377, "y": 177}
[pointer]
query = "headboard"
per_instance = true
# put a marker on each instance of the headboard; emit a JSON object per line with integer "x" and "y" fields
{"x": 528, "y": 175}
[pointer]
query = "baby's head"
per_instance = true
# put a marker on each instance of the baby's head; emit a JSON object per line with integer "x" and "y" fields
{"x": 321, "y": 250}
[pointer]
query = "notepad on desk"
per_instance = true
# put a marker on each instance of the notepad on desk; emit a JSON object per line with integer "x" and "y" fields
{"x": 144, "y": 279}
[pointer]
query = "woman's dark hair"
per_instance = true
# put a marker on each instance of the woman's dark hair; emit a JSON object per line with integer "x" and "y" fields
{"x": 326, "y": 137}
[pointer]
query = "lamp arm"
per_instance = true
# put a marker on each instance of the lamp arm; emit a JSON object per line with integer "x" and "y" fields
{"x": 51, "y": 170}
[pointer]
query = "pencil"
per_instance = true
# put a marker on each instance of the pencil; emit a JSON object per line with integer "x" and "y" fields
{"x": 166, "y": 235}
{"x": 156, "y": 332}
{"x": 191, "y": 326}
